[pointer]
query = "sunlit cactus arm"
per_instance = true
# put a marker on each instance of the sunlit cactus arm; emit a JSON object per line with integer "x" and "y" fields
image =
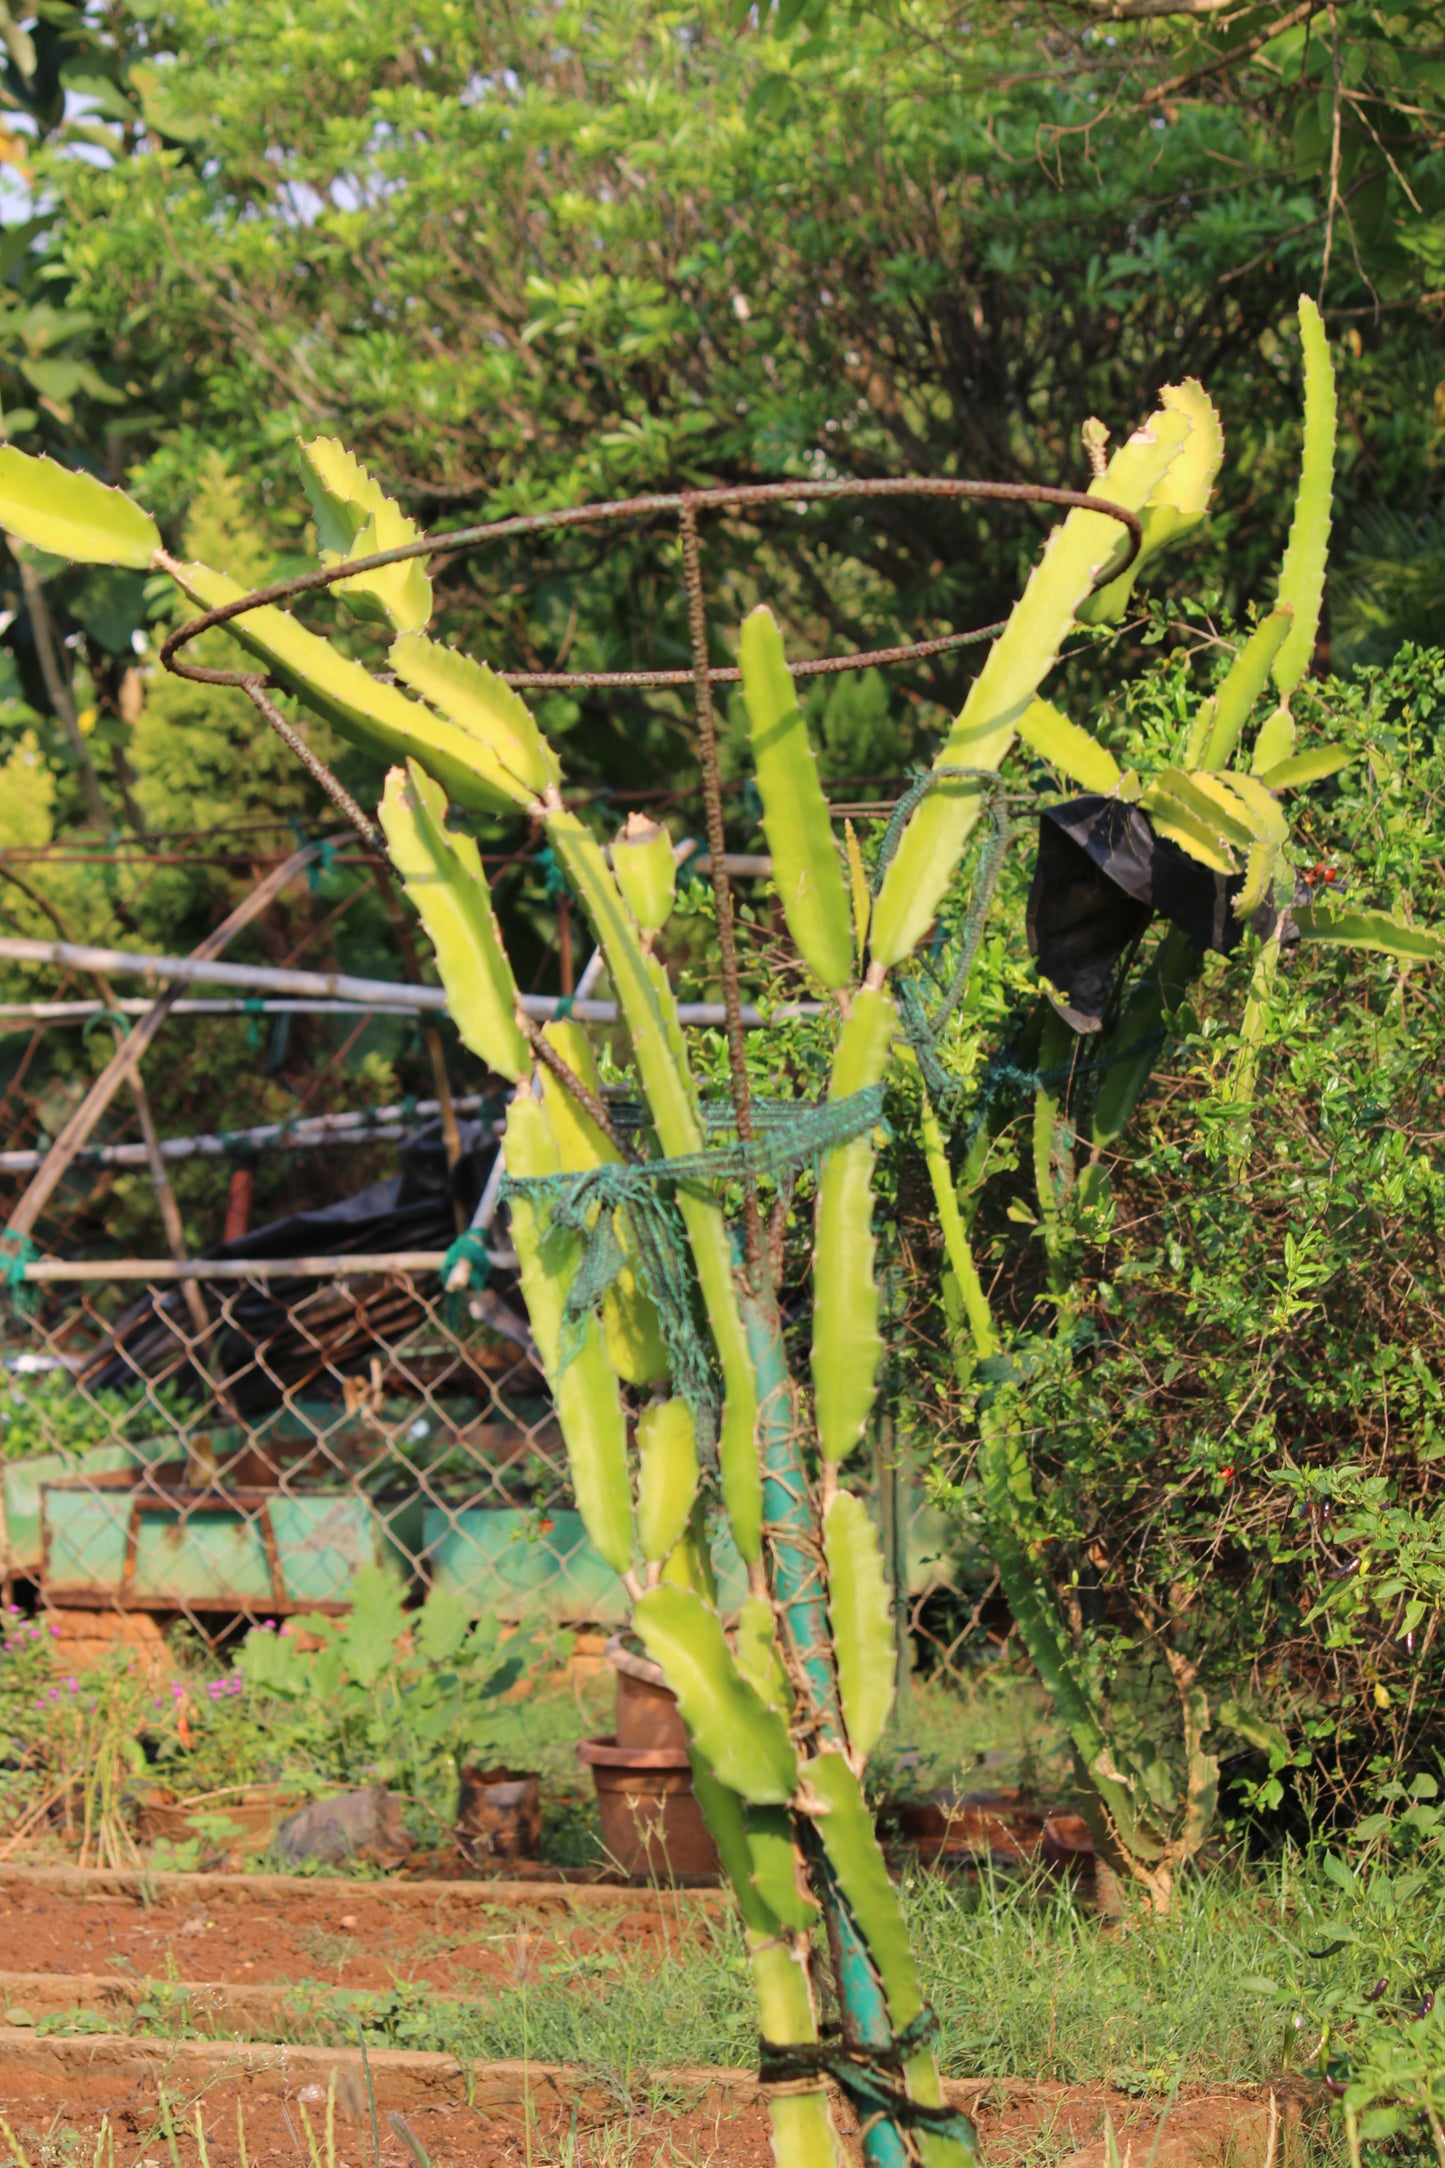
{"x": 845, "y": 1828}
{"x": 1017, "y": 663}
{"x": 584, "y": 1388}
{"x": 780, "y": 1956}
{"x": 650, "y": 1012}
{"x": 1178, "y": 502}
{"x": 847, "y": 1345}
{"x": 1302, "y": 575}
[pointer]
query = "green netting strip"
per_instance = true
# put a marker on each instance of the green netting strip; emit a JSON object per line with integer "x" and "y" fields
{"x": 17, "y": 1252}
{"x": 600, "y": 1202}
{"x": 924, "y": 1027}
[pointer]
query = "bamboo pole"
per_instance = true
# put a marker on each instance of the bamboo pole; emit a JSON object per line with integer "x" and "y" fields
{"x": 233, "y": 1268}
{"x": 122, "y": 1067}
{"x": 201, "y": 970}
{"x": 386, "y": 1125}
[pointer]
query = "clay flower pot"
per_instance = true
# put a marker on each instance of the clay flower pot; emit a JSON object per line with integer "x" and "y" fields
{"x": 652, "y": 1825}
{"x": 499, "y": 1815}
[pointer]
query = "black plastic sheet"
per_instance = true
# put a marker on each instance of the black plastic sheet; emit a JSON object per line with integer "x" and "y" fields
{"x": 1101, "y": 875}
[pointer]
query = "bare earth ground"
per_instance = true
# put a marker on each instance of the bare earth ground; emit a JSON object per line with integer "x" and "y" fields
{"x": 342, "y": 1936}
{"x": 348, "y": 1935}
{"x": 1063, "y": 2124}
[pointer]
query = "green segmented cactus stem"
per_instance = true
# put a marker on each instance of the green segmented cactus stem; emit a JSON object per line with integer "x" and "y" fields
{"x": 806, "y": 868}
{"x": 1017, "y": 663}
{"x": 1302, "y": 575}
{"x": 629, "y": 1316}
{"x": 355, "y": 518}
{"x": 585, "y": 1391}
{"x": 847, "y": 1345}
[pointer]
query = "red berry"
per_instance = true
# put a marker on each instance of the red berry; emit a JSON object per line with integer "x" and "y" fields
{"x": 1329, "y": 873}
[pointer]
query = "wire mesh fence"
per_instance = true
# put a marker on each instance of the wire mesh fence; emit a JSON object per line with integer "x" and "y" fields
{"x": 233, "y": 1439}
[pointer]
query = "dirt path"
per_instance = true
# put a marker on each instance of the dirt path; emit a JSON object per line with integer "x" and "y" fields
{"x": 72, "y": 1941}
{"x": 341, "y": 1933}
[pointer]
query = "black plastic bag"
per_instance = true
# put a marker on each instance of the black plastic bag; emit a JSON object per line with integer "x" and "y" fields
{"x": 1100, "y": 876}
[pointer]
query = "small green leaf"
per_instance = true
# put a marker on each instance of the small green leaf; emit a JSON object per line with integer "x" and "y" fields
{"x": 73, "y": 515}
{"x": 861, "y": 1609}
{"x": 744, "y": 1743}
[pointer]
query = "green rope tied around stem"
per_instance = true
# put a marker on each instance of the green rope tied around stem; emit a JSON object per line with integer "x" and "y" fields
{"x": 17, "y": 1253}
{"x": 470, "y": 1249}
{"x": 115, "y": 1017}
{"x": 589, "y": 1205}
{"x": 869, "y": 2078}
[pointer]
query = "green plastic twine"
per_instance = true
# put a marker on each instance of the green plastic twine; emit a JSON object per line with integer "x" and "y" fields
{"x": 468, "y": 1249}
{"x": 117, "y": 1017}
{"x": 17, "y": 1254}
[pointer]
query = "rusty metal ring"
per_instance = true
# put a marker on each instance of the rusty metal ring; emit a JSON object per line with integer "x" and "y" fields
{"x": 734, "y": 497}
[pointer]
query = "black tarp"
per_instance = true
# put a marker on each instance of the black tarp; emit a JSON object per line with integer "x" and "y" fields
{"x": 1100, "y": 876}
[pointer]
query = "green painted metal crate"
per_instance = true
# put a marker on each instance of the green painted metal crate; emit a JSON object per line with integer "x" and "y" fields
{"x": 157, "y": 1546}
{"x": 538, "y": 1571}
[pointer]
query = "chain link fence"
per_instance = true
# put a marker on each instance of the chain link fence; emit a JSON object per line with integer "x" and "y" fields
{"x": 236, "y": 1443}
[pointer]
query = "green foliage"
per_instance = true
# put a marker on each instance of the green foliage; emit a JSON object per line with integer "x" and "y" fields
{"x": 1249, "y": 1400}
{"x": 392, "y": 1697}
{"x": 46, "y": 1414}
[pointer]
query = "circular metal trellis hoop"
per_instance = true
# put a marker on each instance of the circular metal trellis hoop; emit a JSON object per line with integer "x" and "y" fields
{"x": 703, "y": 676}
{"x": 685, "y": 504}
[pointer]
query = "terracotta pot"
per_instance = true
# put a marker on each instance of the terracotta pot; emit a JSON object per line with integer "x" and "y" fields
{"x": 652, "y": 1825}
{"x": 499, "y": 1815}
{"x": 254, "y": 1811}
{"x": 647, "y": 1711}
{"x": 1068, "y": 1848}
